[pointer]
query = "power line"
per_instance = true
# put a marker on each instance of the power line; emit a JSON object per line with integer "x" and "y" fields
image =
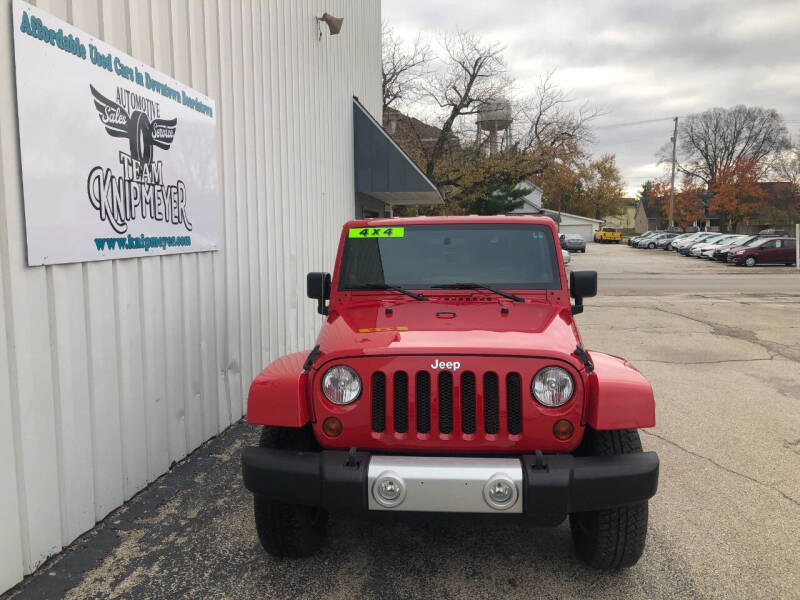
{"x": 631, "y": 123}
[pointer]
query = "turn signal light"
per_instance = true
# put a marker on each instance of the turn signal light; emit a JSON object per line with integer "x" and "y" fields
{"x": 563, "y": 429}
{"x": 332, "y": 426}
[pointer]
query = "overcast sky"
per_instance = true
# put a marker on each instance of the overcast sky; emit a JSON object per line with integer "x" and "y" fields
{"x": 635, "y": 60}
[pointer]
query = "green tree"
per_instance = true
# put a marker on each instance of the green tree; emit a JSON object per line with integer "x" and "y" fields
{"x": 647, "y": 187}
{"x": 498, "y": 200}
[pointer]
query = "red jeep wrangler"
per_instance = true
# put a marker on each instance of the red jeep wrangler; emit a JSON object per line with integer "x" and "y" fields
{"x": 449, "y": 376}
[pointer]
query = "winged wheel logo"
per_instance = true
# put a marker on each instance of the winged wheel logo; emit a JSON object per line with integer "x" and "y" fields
{"x": 142, "y": 133}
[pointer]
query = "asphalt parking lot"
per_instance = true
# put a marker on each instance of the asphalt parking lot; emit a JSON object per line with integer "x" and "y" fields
{"x": 721, "y": 346}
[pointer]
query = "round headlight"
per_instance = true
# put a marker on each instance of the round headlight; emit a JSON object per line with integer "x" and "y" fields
{"x": 552, "y": 386}
{"x": 341, "y": 385}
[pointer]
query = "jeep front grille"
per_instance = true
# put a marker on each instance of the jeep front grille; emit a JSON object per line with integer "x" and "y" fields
{"x": 423, "y": 397}
{"x": 514, "y": 391}
{"x": 464, "y": 403}
{"x": 378, "y": 401}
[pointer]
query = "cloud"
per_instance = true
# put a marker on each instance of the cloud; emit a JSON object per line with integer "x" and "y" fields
{"x": 636, "y": 60}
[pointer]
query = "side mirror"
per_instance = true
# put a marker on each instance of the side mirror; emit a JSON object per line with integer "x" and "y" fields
{"x": 582, "y": 284}
{"x": 318, "y": 286}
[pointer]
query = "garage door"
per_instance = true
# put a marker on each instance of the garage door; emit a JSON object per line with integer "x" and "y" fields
{"x": 585, "y": 231}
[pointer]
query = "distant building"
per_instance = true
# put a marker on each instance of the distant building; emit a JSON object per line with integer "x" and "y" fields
{"x": 532, "y": 202}
{"x": 780, "y": 207}
{"x": 626, "y": 220}
{"x": 567, "y": 223}
{"x": 647, "y": 216}
{"x": 416, "y": 137}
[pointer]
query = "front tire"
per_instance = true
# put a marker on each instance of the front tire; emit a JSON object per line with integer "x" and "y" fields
{"x": 613, "y": 538}
{"x": 750, "y": 261}
{"x": 289, "y": 530}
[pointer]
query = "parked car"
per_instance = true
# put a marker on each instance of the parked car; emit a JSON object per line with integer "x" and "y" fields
{"x": 690, "y": 239}
{"x": 666, "y": 243}
{"x": 652, "y": 242}
{"x": 573, "y": 242}
{"x": 722, "y": 253}
{"x": 732, "y": 240}
{"x": 697, "y": 249}
{"x": 647, "y": 234}
{"x": 686, "y": 249}
{"x": 565, "y": 256}
{"x": 766, "y": 250}
{"x": 607, "y": 235}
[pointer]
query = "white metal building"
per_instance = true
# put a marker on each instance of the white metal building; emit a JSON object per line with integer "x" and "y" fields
{"x": 110, "y": 371}
{"x": 583, "y": 226}
{"x": 567, "y": 223}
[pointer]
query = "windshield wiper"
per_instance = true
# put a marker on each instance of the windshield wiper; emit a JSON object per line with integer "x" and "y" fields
{"x": 475, "y": 286}
{"x": 387, "y": 286}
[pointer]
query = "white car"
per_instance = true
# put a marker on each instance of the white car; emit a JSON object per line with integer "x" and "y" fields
{"x": 565, "y": 254}
{"x": 733, "y": 240}
{"x": 698, "y": 236}
{"x": 700, "y": 246}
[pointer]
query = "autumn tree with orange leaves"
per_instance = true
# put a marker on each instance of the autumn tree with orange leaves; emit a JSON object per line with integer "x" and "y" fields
{"x": 737, "y": 194}
{"x": 688, "y": 206}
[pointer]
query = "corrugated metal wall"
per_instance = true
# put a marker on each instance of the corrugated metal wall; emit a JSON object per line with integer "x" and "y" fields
{"x": 110, "y": 371}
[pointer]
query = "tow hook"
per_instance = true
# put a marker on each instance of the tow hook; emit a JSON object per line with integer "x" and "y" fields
{"x": 351, "y": 458}
{"x": 539, "y": 464}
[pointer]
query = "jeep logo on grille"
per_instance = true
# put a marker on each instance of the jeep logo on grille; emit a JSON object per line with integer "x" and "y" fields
{"x": 449, "y": 365}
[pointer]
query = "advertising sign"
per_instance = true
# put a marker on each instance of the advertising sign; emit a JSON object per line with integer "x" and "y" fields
{"x": 118, "y": 159}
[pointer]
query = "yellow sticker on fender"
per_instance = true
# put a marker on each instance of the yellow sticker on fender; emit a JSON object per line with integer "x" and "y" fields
{"x": 377, "y": 232}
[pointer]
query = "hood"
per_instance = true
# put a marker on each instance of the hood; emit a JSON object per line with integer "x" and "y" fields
{"x": 488, "y": 327}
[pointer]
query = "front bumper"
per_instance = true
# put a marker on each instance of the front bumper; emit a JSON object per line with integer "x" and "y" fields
{"x": 548, "y": 489}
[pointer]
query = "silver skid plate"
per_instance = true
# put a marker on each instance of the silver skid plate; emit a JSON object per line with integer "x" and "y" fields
{"x": 444, "y": 484}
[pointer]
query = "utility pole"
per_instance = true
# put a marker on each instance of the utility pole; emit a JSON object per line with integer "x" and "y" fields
{"x": 672, "y": 185}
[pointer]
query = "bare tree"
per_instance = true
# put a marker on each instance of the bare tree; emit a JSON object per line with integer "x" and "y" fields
{"x": 473, "y": 73}
{"x": 549, "y": 118}
{"x": 716, "y": 140}
{"x": 403, "y": 67}
{"x": 786, "y": 199}
{"x": 787, "y": 167}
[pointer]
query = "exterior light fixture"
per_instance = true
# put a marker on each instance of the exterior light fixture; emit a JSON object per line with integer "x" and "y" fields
{"x": 334, "y": 24}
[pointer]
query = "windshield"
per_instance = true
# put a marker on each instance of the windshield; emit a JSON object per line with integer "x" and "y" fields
{"x": 738, "y": 239}
{"x": 573, "y": 236}
{"x": 760, "y": 242}
{"x": 425, "y": 256}
{"x": 719, "y": 239}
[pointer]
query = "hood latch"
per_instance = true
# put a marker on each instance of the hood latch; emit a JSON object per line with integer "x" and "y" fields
{"x": 584, "y": 357}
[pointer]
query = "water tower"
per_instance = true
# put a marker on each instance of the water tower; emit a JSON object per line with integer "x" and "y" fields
{"x": 494, "y": 118}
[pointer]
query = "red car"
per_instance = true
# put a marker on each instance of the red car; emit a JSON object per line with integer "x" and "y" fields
{"x": 449, "y": 377}
{"x": 770, "y": 250}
